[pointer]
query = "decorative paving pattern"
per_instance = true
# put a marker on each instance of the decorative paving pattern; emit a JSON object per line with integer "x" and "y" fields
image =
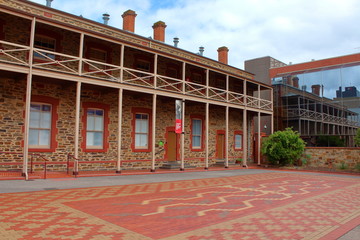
{"x": 259, "y": 206}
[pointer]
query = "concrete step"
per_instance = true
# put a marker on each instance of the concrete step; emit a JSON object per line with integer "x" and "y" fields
{"x": 175, "y": 165}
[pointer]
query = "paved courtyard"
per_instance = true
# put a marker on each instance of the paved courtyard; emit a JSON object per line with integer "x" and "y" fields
{"x": 243, "y": 204}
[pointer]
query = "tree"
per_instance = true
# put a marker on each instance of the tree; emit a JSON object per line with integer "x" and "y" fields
{"x": 283, "y": 147}
{"x": 357, "y": 137}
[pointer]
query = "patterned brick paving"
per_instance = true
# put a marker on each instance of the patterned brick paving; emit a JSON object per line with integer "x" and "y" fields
{"x": 259, "y": 206}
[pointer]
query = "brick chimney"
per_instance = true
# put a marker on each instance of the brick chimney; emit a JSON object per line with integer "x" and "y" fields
{"x": 159, "y": 31}
{"x": 295, "y": 82}
{"x": 129, "y": 20}
{"x": 223, "y": 54}
{"x": 315, "y": 89}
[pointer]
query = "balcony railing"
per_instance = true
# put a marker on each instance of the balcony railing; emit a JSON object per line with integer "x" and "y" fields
{"x": 19, "y": 55}
{"x": 320, "y": 117}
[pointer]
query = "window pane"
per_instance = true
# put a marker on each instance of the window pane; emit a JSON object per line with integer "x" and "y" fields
{"x": 144, "y": 140}
{"x": 99, "y": 124}
{"x": 99, "y": 112}
{"x": 90, "y": 111}
{"x": 90, "y": 139}
{"x": 144, "y": 126}
{"x": 238, "y": 141}
{"x": 35, "y": 107}
{"x": 44, "y": 137}
{"x": 137, "y": 125}
{"x": 33, "y": 137}
{"x": 98, "y": 139}
{"x": 34, "y": 119}
{"x": 141, "y": 140}
{"x": 196, "y": 127}
{"x": 196, "y": 141}
{"x": 90, "y": 123}
{"x": 137, "y": 140}
{"x": 46, "y": 120}
{"x": 46, "y": 108}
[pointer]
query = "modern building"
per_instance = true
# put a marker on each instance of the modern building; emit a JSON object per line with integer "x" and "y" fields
{"x": 77, "y": 91}
{"x": 306, "y": 95}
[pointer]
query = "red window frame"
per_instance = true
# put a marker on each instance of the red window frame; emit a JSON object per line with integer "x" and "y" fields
{"x": 238, "y": 132}
{"x": 54, "y": 118}
{"x": 106, "y": 108}
{"x": 202, "y": 118}
{"x": 135, "y": 111}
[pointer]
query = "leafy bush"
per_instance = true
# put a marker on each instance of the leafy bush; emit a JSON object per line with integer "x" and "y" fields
{"x": 357, "y": 137}
{"x": 283, "y": 147}
{"x": 330, "y": 141}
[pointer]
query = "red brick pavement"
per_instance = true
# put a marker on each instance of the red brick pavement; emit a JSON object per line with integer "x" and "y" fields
{"x": 259, "y": 206}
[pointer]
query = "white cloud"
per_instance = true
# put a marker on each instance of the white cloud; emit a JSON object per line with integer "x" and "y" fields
{"x": 296, "y": 30}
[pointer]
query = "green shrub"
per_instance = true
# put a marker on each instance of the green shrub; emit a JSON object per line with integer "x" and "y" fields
{"x": 283, "y": 147}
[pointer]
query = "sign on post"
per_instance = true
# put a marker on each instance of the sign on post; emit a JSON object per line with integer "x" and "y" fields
{"x": 178, "y": 115}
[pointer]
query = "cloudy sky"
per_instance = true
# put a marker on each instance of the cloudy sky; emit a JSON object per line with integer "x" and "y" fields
{"x": 289, "y": 30}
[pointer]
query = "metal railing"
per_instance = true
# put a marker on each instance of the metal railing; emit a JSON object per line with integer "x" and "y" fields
{"x": 32, "y": 162}
{"x": 75, "y": 164}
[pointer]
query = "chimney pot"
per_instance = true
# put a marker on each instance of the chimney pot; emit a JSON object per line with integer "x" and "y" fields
{"x": 201, "y": 51}
{"x": 106, "y": 18}
{"x": 48, "y": 3}
{"x": 176, "y": 41}
{"x": 223, "y": 54}
{"x": 129, "y": 20}
{"x": 159, "y": 31}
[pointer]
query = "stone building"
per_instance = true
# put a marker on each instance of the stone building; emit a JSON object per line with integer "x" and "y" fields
{"x": 75, "y": 92}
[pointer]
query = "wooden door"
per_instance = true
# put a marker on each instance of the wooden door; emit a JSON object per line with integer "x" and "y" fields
{"x": 220, "y": 146}
{"x": 171, "y": 146}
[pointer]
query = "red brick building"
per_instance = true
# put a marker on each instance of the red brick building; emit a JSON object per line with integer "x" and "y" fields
{"x": 106, "y": 97}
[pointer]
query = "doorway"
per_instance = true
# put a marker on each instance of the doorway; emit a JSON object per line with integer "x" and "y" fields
{"x": 220, "y": 145}
{"x": 172, "y": 148}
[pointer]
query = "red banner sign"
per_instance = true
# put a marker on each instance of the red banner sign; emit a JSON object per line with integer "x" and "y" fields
{"x": 178, "y": 126}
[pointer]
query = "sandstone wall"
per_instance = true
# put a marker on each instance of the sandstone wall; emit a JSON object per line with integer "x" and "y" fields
{"x": 333, "y": 157}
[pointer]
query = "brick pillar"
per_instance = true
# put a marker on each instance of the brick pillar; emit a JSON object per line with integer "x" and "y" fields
{"x": 159, "y": 31}
{"x": 223, "y": 54}
{"x": 129, "y": 20}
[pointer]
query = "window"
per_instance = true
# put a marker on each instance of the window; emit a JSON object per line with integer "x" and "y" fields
{"x": 45, "y": 43}
{"x": 97, "y": 52}
{"x": 238, "y": 140}
{"x": 97, "y": 55}
{"x": 95, "y": 128}
{"x": 141, "y": 126}
{"x": 197, "y": 78}
{"x": 141, "y": 131}
{"x": 40, "y": 125}
{"x": 95, "y": 131}
{"x": 143, "y": 65}
{"x": 196, "y": 133}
